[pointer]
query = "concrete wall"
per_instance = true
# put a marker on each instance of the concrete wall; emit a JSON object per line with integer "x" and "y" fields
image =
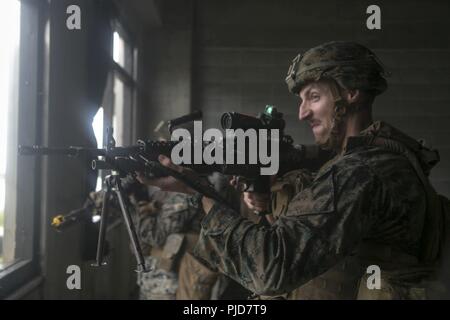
{"x": 168, "y": 64}
{"x": 243, "y": 50}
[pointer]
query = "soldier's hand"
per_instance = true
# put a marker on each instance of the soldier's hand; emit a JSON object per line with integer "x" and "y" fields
{"x": 257, "y": 201}
{"x": 238, "y": 183}
{"x": 169, "y": 183}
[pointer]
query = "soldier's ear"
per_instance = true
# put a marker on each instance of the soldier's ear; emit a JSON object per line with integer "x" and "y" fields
{"x": 353, "y": 96}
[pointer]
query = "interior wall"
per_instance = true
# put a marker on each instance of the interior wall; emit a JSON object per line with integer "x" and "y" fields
{"x": 168, "y": 65}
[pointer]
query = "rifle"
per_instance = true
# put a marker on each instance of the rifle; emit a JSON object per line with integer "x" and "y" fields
{"x": 291, "y": 156}
{"x": 123, "y": 162}
{"x": 143, "y": 157}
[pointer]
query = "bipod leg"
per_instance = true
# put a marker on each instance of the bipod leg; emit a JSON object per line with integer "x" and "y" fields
{"x": 130, "y": 227}
{"x": 103, "y": 225}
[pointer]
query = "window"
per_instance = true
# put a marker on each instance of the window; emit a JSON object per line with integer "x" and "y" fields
{"x": 98, "y": 127}
{"x": 119, "y": 102}
{"x": 22, "y": 31}
{"x": 124, "y": 87}
{"x": 120, "y": 109}
{"x": 122, "y": 52}
{"x": 9, "y": 57}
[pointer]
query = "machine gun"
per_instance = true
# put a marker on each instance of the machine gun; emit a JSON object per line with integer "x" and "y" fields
{"x": 143, "y": 157}
{"x": 123, "y": 162}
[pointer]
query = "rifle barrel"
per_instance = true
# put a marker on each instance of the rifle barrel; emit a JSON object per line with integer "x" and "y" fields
{"x": 70, "y": 151}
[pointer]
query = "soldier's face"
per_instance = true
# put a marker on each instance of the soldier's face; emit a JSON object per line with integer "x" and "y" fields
{"x": 317, "y": 107}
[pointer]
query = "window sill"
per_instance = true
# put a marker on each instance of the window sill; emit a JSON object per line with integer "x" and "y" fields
{"x": 26, "y": 289}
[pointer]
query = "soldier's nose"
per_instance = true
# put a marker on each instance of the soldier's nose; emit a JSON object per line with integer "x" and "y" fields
{"x": 304, "y": 111}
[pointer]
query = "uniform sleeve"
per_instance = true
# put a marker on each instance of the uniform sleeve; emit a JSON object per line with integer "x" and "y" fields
{"x": 323, "y": 224}
{"x": 176, "y": 215}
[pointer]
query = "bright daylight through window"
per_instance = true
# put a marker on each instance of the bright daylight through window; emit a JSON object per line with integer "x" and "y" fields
{"x": 9, "y": 56}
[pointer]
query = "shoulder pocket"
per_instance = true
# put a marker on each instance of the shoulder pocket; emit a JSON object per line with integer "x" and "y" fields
{"x": 319, "y": 198}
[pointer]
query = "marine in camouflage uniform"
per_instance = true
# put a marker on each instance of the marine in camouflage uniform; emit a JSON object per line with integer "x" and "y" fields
{"x": 163, "y": 224}
{"x": 369, "y": 205}
{"x": 168, "y": 227}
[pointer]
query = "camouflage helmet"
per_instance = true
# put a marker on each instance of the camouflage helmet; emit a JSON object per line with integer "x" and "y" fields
{"x": 351, "y": 65}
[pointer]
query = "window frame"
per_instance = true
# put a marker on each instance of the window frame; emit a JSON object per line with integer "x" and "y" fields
{"x": 33, "y": 20}
{"x": 129, "y": 79}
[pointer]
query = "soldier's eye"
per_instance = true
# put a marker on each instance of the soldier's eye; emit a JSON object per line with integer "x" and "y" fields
{"x": 315, "y": 97}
